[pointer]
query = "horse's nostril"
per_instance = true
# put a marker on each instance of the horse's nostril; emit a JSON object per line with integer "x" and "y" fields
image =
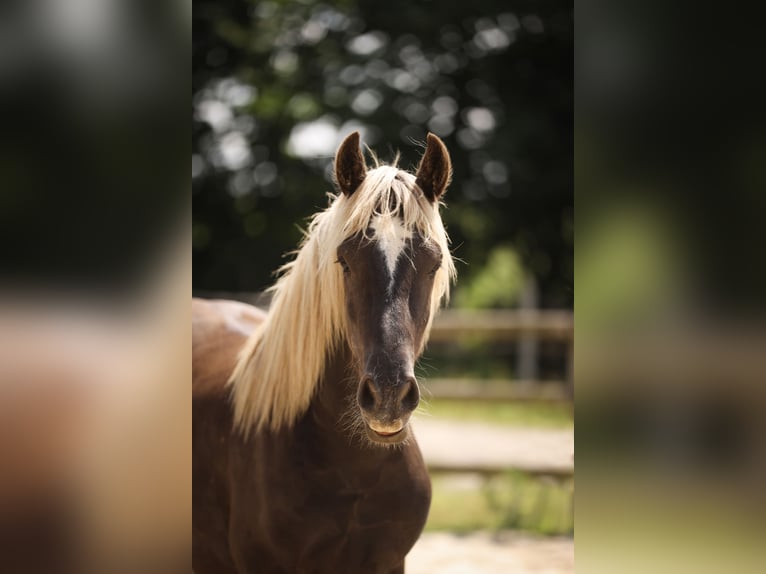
{"x": 368, "y": 394}
{"x": 410, "y": 395}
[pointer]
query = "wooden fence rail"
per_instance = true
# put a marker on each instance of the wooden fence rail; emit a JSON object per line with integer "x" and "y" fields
{"x": 503, "y": 325}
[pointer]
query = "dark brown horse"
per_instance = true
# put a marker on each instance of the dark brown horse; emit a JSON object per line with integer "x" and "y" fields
{"x": 303, "y": 456}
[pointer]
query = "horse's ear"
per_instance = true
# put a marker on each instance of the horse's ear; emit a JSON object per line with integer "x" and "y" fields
{"x": 435, "y": 169}
{"x": 350, "y": 168}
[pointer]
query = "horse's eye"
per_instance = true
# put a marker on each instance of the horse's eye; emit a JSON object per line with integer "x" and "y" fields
{"x": 344, "y": 265}
{"x": 435, "y": 269}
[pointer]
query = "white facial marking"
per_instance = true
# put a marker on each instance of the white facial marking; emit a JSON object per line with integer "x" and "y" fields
{"x": 391, "y": 237}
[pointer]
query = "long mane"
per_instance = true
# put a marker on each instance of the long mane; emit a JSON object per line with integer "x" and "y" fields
{"x": 282, "y": 363}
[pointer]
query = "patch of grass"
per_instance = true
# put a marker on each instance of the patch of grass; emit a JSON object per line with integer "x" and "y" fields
{"x": 546, "y": 415}
{"x": 511, "y": 501}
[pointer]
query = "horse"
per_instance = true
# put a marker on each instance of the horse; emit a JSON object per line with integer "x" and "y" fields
{"x": 304, "y": 459}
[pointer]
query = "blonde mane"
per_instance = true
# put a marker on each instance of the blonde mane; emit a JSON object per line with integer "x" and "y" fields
{"x": 281, "y": 364}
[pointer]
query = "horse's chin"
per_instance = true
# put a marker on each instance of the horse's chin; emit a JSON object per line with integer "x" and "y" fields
{"x": 384, "y": 439}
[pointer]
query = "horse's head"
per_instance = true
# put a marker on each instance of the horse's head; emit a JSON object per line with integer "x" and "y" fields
{"x": 393, "y": 270}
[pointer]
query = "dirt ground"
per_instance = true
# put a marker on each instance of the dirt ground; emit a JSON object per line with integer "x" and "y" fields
{"x": 490, "y": 553}
{"x": 473, "y": 443}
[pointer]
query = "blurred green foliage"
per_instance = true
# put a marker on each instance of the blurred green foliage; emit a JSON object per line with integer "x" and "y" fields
{"x": 509, "y": 501}
{"x": 276, "y": 84}
{"x": 630, "y": 269}
{"x": 498, "y": 284}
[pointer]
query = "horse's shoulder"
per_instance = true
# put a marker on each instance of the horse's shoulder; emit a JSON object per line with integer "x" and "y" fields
{"x": 219, "y": 329}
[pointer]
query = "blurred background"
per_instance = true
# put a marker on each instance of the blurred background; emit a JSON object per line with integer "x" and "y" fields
{"x": 276, "y": 86}
{"x": 671, "y": 330}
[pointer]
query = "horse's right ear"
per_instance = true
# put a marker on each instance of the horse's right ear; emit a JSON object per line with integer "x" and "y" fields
{"x": 350, "y": 168}
{"x": 435, "y": 169}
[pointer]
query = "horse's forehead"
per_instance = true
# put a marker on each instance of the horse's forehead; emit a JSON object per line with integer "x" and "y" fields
{"x": 391, "y": 236}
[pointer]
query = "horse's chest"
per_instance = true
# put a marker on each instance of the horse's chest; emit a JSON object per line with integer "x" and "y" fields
{"x": 365, "y": 527}
{"x": 370, "y": 531}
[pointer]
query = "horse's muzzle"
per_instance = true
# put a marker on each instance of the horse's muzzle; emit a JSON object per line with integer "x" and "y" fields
{"x": 386, "y": 407}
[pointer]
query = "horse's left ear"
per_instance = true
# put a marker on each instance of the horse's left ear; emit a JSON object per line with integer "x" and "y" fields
{"x": 350, "y": 168}
{"x": 435, "y": 169}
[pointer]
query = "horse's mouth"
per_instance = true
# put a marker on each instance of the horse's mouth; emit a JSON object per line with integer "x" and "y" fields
{"x": 388, "y": 437}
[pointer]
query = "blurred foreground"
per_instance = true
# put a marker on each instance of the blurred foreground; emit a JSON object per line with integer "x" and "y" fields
{"x": 95, "y": 283}
{"x": 94, "y": 430}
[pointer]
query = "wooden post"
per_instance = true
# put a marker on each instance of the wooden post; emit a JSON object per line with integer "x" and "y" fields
{"x": 527, "y": 367}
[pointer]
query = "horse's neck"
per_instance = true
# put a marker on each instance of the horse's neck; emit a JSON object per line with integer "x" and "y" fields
{"x": 333, "y": 397}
